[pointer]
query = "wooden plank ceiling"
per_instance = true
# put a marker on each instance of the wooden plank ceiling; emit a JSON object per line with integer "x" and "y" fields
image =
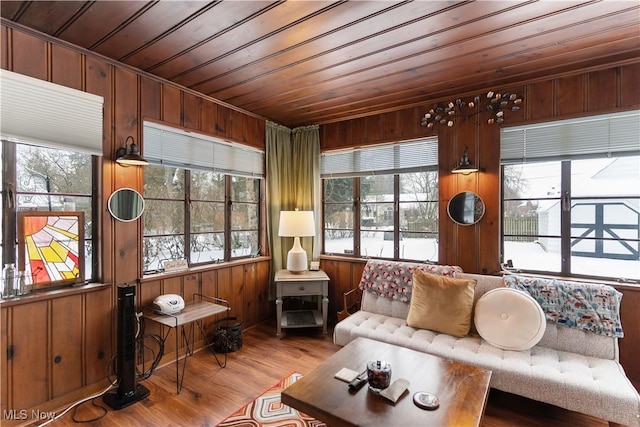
{"x": 308, "y": 62}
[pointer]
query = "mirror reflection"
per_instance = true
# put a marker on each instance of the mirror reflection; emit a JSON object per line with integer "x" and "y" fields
{"x": 126, "y": 204}
{"x": 466, "y": 208}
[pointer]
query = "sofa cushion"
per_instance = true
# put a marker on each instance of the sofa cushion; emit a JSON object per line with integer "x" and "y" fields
{"x": 441, "y": 304}
{"x": 509, "y": 319}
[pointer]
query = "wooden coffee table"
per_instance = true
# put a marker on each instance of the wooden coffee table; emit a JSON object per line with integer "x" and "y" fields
{"x": 462, "y": 389}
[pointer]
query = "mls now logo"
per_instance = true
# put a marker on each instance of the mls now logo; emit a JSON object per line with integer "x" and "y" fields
{"x": 14, "y": 414}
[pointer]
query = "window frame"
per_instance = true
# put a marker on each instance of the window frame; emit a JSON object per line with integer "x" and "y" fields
{"x": 187, "y": 234}
{"x": 10, "y": 213}
{"x": 564, "y": 147}
{"x": 352, "y": 165}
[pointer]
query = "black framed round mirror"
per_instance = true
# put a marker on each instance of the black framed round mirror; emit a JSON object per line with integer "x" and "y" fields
{"x": 465, "y": 208}
{"x": 126, "y": 204}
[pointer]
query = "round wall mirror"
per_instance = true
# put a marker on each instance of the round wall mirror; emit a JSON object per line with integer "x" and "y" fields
{"x": 126, "y": 204}
{"x": 465, "y": 208}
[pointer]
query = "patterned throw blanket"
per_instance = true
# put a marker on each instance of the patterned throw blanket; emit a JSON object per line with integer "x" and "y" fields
{"x": 589, "y": 306}
{"x": 394, "y": 280}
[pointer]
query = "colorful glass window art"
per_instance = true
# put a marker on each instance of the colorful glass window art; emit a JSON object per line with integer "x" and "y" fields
{"x": 51, "y": 246}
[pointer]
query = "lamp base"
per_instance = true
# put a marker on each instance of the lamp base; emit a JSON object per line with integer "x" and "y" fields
{"x": 297, "y": 259}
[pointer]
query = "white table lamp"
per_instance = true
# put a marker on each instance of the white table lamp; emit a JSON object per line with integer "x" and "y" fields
{"x": 296, "y": 224}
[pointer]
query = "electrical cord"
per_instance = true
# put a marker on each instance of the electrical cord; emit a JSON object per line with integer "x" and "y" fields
{"x": 141, "y": 347}
{"x": 75, "y": 404}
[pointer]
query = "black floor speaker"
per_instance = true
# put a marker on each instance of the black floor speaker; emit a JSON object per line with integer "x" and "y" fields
{"x": 129, "y": 391}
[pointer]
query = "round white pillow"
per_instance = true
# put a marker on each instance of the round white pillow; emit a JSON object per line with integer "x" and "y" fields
{"x": 509, "y": 319}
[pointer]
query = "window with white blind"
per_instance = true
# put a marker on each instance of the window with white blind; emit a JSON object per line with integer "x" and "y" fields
{"x": 202, "y": 198}
{"x": 51, "y": 142}
{"x": 571, "y": 196}
{"x": 382, "y": 201}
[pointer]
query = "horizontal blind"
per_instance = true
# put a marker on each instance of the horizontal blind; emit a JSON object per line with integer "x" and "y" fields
{"x": 174, "y": 147}
{"x": 38, "y": 112}
{"x": 399, "y": 157}
{"x": 608, "y": 134}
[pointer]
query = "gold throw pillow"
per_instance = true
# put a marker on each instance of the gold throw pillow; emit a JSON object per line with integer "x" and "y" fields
{"x": 441, "y": 304}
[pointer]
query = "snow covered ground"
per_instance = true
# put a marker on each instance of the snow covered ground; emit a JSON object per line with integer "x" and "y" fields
{"x": 529, "y": 256}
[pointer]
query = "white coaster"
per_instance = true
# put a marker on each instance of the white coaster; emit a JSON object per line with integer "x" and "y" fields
{"x": 346, "y": 375}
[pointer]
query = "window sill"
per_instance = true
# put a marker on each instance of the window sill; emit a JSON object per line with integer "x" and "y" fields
{"x": 202, "y": 268}
{"x": 52, "y": 294}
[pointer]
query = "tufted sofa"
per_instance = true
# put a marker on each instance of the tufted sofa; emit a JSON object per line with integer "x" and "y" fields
{"x": 571, "y": 368}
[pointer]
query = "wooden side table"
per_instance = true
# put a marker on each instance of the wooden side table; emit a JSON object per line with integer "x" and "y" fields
{"x": 310, "y": 283}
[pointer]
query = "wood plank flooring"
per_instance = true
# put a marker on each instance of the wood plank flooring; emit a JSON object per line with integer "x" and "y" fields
{"x": 210, "y": 393}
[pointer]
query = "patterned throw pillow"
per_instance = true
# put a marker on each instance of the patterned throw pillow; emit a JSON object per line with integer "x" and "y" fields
{"x": 393, "y": 279}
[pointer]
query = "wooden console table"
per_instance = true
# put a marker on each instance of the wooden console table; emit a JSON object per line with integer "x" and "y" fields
{"x": 310, "y": 283}
{"x": 193, "y": 312}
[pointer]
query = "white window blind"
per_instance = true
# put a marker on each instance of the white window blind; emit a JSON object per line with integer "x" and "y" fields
{"x": 414, "y": 156}
{"x": 608, "y": 134}
{"x": 174, "y": 147}
{"x": 38, "y": 112}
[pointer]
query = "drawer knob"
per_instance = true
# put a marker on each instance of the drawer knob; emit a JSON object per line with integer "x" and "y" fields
{"x": 302, "y": 288}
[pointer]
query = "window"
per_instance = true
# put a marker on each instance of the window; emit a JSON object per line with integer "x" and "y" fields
{"x": 382, "y": 201}
{"x": 48, "y": 180}
{"x": 571, "y": 196}
{"x": 199, "y": 206}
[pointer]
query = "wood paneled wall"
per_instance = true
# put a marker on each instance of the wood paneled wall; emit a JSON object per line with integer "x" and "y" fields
{"x": 476, "y": 248}
{"x": 55, "y": 341}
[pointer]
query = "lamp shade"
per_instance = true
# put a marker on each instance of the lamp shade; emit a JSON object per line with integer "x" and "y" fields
{"x": 296, "y": 224}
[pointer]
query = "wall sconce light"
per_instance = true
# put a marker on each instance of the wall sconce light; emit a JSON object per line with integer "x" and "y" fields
{"x": 130, "y": 155}
{"x": 465, "y": 167}
{"x": 296, "y": 224}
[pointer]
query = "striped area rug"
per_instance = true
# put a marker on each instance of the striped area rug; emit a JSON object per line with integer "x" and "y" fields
{"x": 267, "y": 410}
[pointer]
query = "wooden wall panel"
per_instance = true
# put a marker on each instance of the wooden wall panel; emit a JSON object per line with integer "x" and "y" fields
{"x": 236, "y": 124}
{"x": 208, "y": 117}
{"x": 570, "y": 95}
{"x": 171, "y": 105}
{"x": 630, "y": 318}
{"x": 66, "y": 344}
{"x": 66, "y": 67}
{"x": 4, "y": 48}
{"x": 602, "y": 93}
{"x": 150, "y": 100}
{"x": 191, "y": 111}
{"x": 251, "y": 293}
{"x": 539, "y": 100}
{"x": 254, "y": 131}
{"x": 230, "y": 288}
{"x": 29, "y": 55}
{"x": 191, "y": 286}
{"x": 265, "y": 307}
{"x": 223, "y": 121}
{"x": 99, "y": 81}
{"x": 5, "y": 378}
{"x": 389, "y": 125}
{"x": 127, "y": 254}
{"x": 30, "y": 362}
{"x": 98, "y": 345}
{"x": 629, "y": 78}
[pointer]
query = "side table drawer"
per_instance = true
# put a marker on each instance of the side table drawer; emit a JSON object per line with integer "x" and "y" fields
{"x": 301, "y": 288}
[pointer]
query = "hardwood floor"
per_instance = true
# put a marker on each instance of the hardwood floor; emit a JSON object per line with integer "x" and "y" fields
{"x": 210, "y": 393}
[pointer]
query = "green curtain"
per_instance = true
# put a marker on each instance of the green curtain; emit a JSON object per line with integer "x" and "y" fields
{"x": 293, "y": 181}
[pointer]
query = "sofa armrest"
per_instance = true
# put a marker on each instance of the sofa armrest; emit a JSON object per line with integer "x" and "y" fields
{"x": 350, "y": 303}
